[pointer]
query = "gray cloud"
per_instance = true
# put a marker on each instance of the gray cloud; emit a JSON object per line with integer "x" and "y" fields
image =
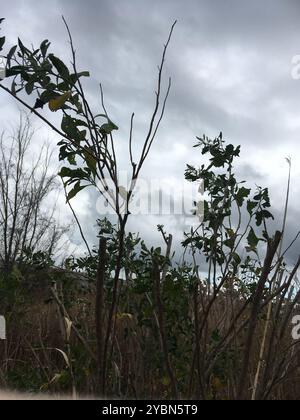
{"x": 230, "y": 64}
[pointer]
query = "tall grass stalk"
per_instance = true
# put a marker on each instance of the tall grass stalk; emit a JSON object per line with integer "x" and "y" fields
{"x": 269, "y": 313}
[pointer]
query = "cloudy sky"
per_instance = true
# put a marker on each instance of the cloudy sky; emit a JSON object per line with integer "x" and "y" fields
{"x": 231, "y": 68}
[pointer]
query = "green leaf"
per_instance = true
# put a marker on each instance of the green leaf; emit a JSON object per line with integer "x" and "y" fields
{"x": 259, "y": 218}
{"x": 39, "y": 104}
{"x": 108, "y": 127}
{"x": 62, "y": 69}
{"x": 74, "y": 191}
{"x": 69, "y": 126}
{"x": 241, "y": 195}
{"x": 65, "y": 172}
{"x": 215, "y": 336}
{"x": 73, "y": 78}
{"x": 63, "y": 86}
{"x": 80, "y": 123}
{"x": 236, "y": 258}
{"x": 84, "y": 74}
{"x": 75, "y": 101}
{"x": 71, "y": 157}
{"x": 267, "y": 214}
{"x": 13, "y": 87}
{"x": 2, "y": 42}
{"x": 15, "y": 70}
{"x": 10, "y": 54}
{"x": 90, "y": 160}
{"x": 251, "y": 206}
{"x": 229, "y": 242}
{"x": 73, "y": 174}
{"x": 252, "y": 239}
{"x": 44, "y": 47}
{"x": 29, "y": 87}
{"x": 23, "y": 49}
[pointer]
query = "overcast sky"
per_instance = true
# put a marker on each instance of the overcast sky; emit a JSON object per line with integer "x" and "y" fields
{"x": 230, "y": 63}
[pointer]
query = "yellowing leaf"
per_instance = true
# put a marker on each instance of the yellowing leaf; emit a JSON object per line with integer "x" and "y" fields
{"x": 124, "y": 316}
{"x": 64, "y": 356}
{"x": 68, "y": 328}
{"x": 165, "y": 380}
{"x": 217, "y": 384}
{"x": 57, "y": 103}
{"x": 55, "y": 378}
